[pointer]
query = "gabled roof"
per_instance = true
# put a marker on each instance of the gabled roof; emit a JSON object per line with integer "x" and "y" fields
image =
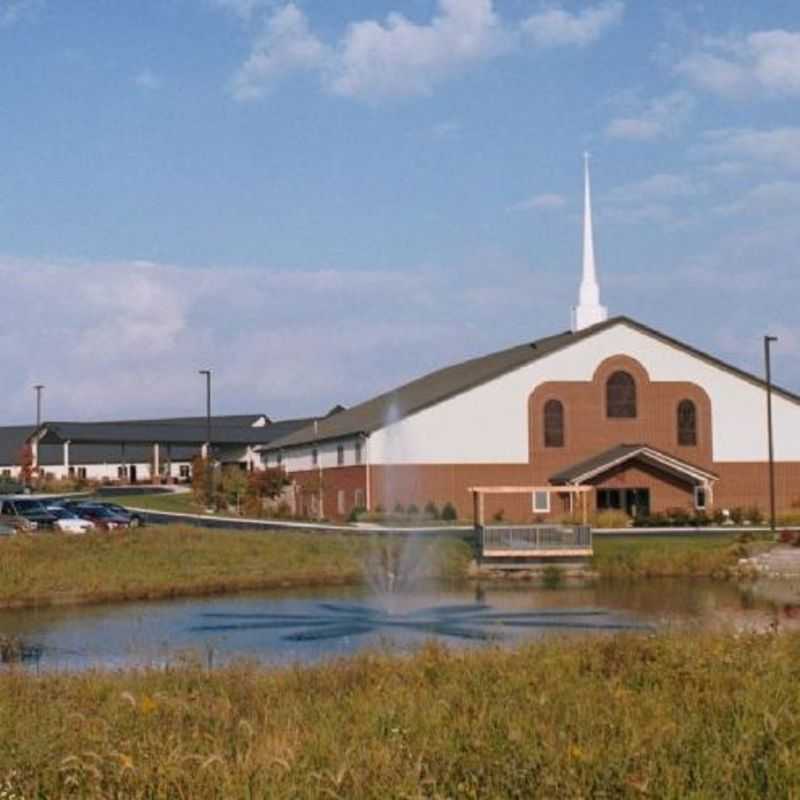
{"x": 187, "y": 433}
{"x": 621, "y": 454}
{"x": 448, "y": 382}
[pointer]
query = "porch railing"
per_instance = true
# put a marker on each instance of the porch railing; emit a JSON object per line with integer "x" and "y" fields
{"x": 511, "y": 538}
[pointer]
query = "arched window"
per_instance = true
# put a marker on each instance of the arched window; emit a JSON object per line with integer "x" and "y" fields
{"x": 687, "y": 423}
{"x": 621, "y": 396}
{"x": 553, "y": 423}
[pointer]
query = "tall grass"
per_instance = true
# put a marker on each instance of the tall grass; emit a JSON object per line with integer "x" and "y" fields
{"x": 673, "y": 716}
{"x": 175, "y": 560}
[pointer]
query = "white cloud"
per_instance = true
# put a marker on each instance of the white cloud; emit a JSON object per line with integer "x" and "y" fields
{"x": 133, "y": 334}
{"x": 741, "y": 66}
{"x": 400, "y": 57}
{"x": 396, "y": 56}
{"x": 662, "y": 116}
{"x": 285, "y": 44}
{"x": 13, "y": 11}
{"x": 778, "y": 146}
{"x": 650, "y": 200}
{"x": 772, "y": 198}
{"x": 555, "y": 27}
{"x": 541, "y": 202}
{"x": 148, "y": 80}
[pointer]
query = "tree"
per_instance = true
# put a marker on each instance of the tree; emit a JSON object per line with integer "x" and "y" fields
{"x": 235, "y": 485}
{"x": 26, "y": 468}
{"x": 266, "y": 484}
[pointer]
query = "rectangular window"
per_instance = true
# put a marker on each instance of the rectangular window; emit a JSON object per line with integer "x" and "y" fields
{"x": 279, "y": 459}
{"x": 340, "y": 455}
{"x": 71, "y": 472}
{"x": 358, "y": 452}
{"x": 314, "y": 457}
{"x": 700, "y": 498}
{"x": 541, "y": 502}
{"x": 359, "y": 498}
{"x": 6, "y": 473}
{"x": 122, "y": 472}
{"x": 340, "y": 501}
{"x": 185, "y": 471}
{"x": 82, "y": 473}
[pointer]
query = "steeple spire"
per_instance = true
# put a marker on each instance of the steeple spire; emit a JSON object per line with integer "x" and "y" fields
{"x": 588, "y": 311}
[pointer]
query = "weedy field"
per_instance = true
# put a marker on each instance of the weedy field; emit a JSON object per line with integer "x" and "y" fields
{"x": 672, "y": 716}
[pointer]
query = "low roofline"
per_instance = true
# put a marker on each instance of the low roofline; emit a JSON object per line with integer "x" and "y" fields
{"x": 623, "y": 453}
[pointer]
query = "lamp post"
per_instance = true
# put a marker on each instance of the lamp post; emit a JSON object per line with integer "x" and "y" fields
{"x": 38, "y": 389}
{"x": 209, "y": 487}
{"x": 768, "y": 340}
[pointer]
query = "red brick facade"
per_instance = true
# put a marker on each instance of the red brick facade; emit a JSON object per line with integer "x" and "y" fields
{"x": 588, "y": 431}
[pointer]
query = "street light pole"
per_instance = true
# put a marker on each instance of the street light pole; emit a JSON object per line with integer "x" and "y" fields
{"x": 768, "y": 340}
{"x": 38, "y": 389}
{"x": 209, "y": 487}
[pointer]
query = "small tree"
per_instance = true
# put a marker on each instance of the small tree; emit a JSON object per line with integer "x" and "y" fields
{"x": 235, "y": 484}
{"x": 26, "y": 468}
{"x": 200, "y": 480}
{"x": 266, "y": 484}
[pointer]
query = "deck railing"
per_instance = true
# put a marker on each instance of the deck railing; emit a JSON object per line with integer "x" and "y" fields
{"x": 510, "y": 538}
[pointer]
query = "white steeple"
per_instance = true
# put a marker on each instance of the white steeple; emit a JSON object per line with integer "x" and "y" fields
{"x": 588, "y": 311}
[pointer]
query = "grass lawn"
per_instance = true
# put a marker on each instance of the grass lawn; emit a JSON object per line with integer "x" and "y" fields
{"x": 179, "y": 503}
{"x": 665, "y": 556}
{"x": 669, "y": 716}
{"x": 172, "y": 560}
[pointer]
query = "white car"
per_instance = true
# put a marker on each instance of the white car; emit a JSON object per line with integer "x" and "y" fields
{"x": 68, "y": 521}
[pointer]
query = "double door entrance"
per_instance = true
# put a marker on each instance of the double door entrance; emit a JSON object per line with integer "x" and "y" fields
{"x": 634, "y": 502}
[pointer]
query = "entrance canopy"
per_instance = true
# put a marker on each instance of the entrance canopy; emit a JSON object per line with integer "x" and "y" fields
{"x": 591, "y": 468}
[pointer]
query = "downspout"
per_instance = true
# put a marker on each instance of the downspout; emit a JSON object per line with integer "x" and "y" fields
{"x": 367, "y": 468}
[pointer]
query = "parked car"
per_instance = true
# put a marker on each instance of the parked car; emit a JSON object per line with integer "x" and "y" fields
{"x": 68, "y": 521}
{"x": 134, "y": 517}
{"x": 102, "y": 517}
{"x": 28, "y": 509}
{"x": 19, "y": 524}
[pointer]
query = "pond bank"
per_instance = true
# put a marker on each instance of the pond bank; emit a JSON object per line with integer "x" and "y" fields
{"x": 677, "y": 715}
{"x": 182, "y": 561}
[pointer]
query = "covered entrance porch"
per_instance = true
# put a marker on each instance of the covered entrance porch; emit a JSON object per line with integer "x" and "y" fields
{"x": 639, "y": 480}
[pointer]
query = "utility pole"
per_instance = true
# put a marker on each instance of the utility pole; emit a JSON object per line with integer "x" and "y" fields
{"x": 768, "y": 340}
{"x": 38, "y": 389}
{"x": 209, "y": 477}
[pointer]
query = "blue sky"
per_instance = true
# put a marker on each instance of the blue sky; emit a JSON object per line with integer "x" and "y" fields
{"x": 320, "y": 200}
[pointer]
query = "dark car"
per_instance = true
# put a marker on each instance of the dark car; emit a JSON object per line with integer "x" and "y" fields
{"x": 103, "y": 518}
{"x": 27, "y": 509}
{"x": 135, "y": 518}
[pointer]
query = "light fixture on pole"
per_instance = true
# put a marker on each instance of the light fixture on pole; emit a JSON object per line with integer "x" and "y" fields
{"x": 768, "y": 340}
{"x": 209, "y": 488}
{"x": 38, "y": 389}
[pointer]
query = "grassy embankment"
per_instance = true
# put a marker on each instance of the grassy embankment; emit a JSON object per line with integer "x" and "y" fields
{"x": 176, "y": 560}
{"x": 673, "y": 716}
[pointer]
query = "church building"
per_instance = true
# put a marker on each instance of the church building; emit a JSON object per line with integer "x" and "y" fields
{"x": 649, "y": 422}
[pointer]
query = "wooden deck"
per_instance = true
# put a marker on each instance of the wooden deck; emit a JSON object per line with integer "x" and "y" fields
{"x": 535, "y": 541}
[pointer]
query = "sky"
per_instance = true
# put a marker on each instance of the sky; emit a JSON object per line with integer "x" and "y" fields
{"x": 322, "y": 200}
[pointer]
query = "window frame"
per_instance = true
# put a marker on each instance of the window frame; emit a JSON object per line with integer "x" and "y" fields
{"x": 339, "y": 455}
{"x": 681, "y": 429}
{"x": 623, "y": 407}
{"x": 540, "y": 509}
{"x": 560, "y": 439}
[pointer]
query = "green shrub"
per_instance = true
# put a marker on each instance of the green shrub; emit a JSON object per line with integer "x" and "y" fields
{"x": 552, "y": 576}
{"x": 610, "y": 519}
{"x": 431, "y": 510}
{"x": 412, "y": 510}
{"x": 755, "y": 515}
{"x": 737, "y": 515}
{"x": 449, "y": 512}
{"x": 399, "y": 508}
{"x": 498, "y": 515}
{"x": 356, "y": 513}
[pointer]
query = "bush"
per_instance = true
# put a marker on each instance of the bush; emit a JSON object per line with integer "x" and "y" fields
{"x": 431, "y": 510}
{"x": 679, "y": 517}
{"x": 449, "y": 512}
{"x": 737, "y": 515}
{"x": 498, "y": 515}
{"x": 356, "y": 513}
{"x": 552, "y": 576}
{"x": 412, "y": 510}
{"x": 610, "y": 519}
{"x": 718, "y": 516}
{"x": 754, "y": 515}
{"x": 789, "y": 518}
{"x": 399, "y": 508}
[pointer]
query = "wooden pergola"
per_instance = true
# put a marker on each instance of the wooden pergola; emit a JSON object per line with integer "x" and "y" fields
{"x": 479, "y": 493}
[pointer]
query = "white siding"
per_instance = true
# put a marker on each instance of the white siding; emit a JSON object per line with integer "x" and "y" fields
{"x": 489, "y": 424}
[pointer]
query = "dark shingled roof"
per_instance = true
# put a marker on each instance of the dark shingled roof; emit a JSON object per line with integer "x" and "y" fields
{"x": 101, "y": 442}
{"x": 448, "y": 382}
{"x": 625, "y": 452}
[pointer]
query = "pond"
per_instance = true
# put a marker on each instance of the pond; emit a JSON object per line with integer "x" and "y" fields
{"x": 308, "y": 626}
